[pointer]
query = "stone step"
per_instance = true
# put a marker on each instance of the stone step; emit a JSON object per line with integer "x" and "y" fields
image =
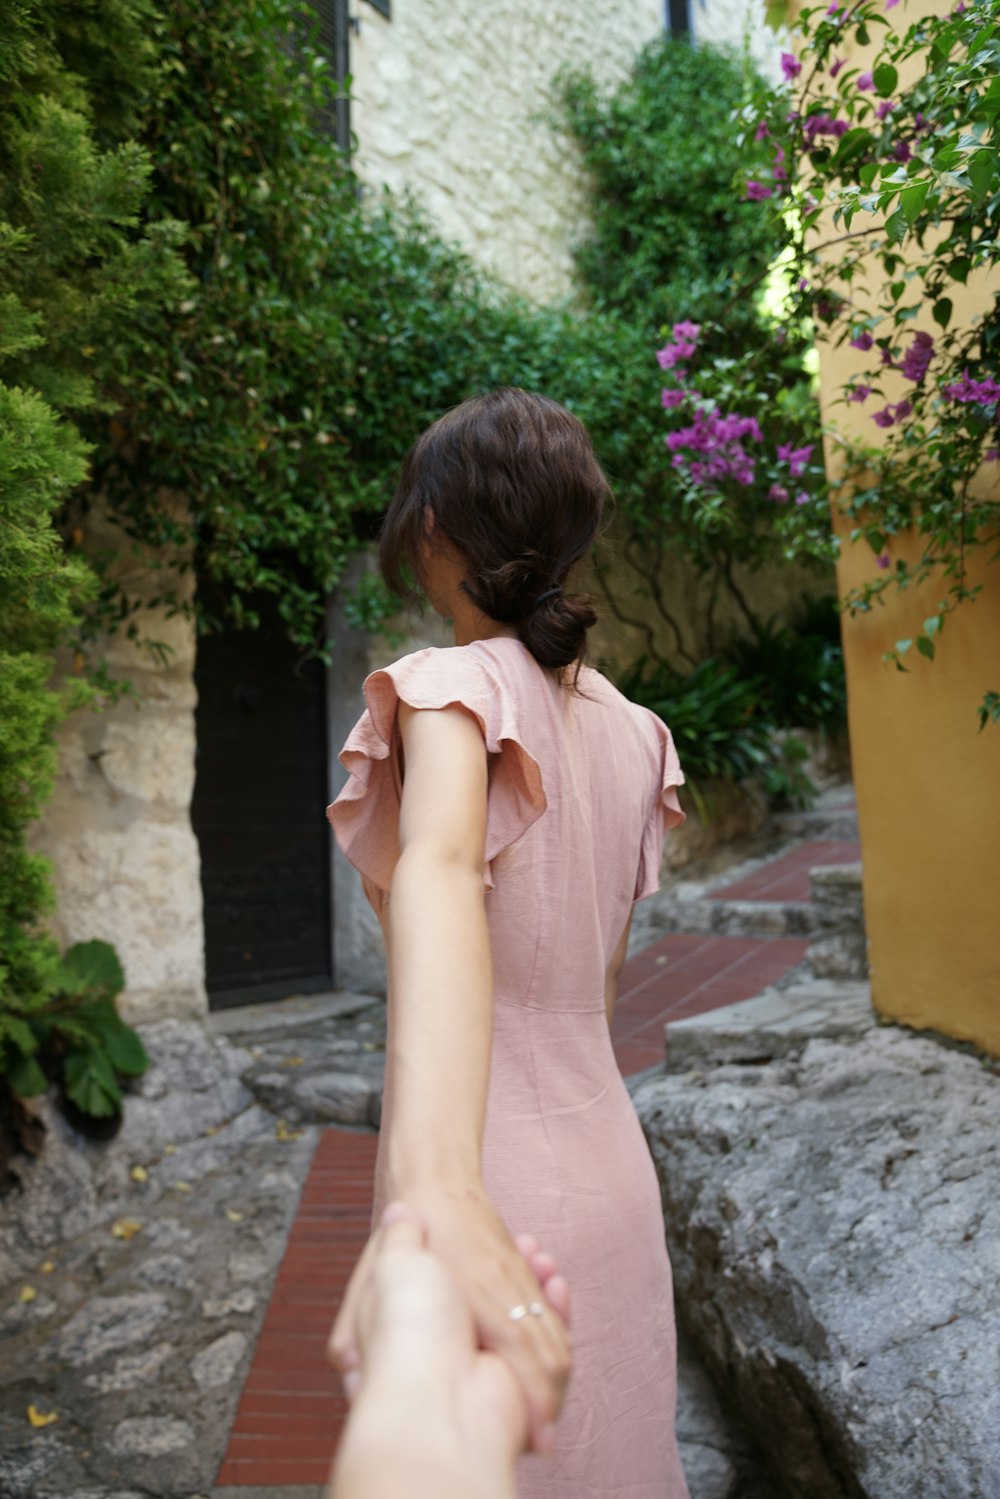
{"x": 776, "y": 1023}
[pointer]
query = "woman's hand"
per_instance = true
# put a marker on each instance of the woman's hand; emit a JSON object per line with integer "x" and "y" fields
{"x": 493, "y": 1275}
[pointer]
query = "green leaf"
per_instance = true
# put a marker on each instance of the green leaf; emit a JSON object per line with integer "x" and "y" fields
{"x": 934, "y": 625}
{"x": 925, "y": 647}
{"x": 776, "y": 14}
{"x": 895, "y": 227}
{"x": 125, "y": 1049}
{"x": 959, "y": 268}
{"x": 91, "y": 966}
{"x": 20, "y": 1032}
{"x": 868, "y": 173}
{"x": 885, "y": 78}
{"x": 91, "y": 1084}
{"x": 896, "y": 289}
{"x": 902, "y": 646}
{"x": 941, "y": 311}
{"x": 911, "y": 200}
{"x": 981, "y": 169}
{"x": 25, "y": 1077}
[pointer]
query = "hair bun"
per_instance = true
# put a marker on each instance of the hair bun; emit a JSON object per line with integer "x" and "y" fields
{"x": 555, "y": 632}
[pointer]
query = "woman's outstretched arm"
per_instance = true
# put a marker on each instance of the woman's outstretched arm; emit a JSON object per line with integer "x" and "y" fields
{"x": 440, "y": 977}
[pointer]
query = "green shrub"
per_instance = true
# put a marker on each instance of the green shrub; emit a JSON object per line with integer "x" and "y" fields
{"x": 799, "y": 666}
{"x": 76, "y": 1037}
{"x": 72, "y": 272}
{"x": 722, "y": 729}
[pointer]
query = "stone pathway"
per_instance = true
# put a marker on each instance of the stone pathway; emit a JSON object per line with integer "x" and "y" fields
{"x": 166, "y": 1298}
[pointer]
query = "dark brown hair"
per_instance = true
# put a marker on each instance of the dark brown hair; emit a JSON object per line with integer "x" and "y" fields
{"x": 515, "y": 486}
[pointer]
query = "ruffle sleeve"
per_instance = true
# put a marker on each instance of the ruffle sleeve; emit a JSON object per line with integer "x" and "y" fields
{"x": 666, "y": 812}
{"x": 365, "y": 815}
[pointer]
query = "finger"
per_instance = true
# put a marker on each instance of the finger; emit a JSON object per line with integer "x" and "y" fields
{"x": 557, "y": 1294}
{"x": 343, "y": 1350}
{"x": 527, "y": 1244}
{"x": 537, "y": 1349}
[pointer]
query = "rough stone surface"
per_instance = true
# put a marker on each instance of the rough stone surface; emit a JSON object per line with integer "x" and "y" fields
{"x": 834, "y": 1226}
{"x": 776, "y": 1023}
{"x": 839, "y": 948}
{"x": 117, "y": 828}
{"x": 437, "y": 106}
{"x": 152, "y": 1436}
{"x": 327, "y": 1070}
{"x": 719, "y": 1462}
{"x": 192, "y": 1087}
{"x": 217, "y": 1364}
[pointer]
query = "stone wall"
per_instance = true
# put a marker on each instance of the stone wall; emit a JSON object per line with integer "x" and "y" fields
{"x": 118, "y": 828}
{"x": 449, "y": 99}
{"x": 735, "y": 23}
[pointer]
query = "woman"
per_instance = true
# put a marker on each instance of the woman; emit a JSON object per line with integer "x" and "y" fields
{"x": 506, "y": 807}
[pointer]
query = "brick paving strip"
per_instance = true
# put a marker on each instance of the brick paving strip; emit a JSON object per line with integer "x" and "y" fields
{"x": 291, "y": 1412}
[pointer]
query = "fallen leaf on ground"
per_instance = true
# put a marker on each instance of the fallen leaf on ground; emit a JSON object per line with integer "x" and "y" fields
{"x": 283, "y": 1132}
{"x": 125, "y": 1228}
{"x": 181, "y": 1186}
{"x": 48, "y": 1267}
{"x": 28, "y": 1293}
{"x": 292, "y": 1062}
{"x": 139, "y": 1174}
{"x": 234, "y": 1215}
{"x": 41, "y": 1418}
{"x": 169, "y": 1149}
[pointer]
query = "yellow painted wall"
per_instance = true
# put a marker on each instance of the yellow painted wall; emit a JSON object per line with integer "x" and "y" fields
{"x": 928, "y": 782}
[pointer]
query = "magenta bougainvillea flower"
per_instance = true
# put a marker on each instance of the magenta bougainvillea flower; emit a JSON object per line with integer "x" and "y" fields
{"x": 885, "y": 109}
{"x": 865, "y": 82}
{"x": 757, "y": 191}
{"x": 689, "y": 332}
{"x": 918, "y": 356}
{"x": 790, "y": 66}
{"x": 982, "y": 392}
{"x": 796, "y": 458}
{"x": 671, "y": 398}
{"x": 883, "y": 560}
{"x": 762, "y": 132}
{"x": 836, "y": 66}
{"x": 862, "y": 341}
{"x": 778, "y": 493}
{"x": 883, "y": 418}
{"x": 860, "y": 393}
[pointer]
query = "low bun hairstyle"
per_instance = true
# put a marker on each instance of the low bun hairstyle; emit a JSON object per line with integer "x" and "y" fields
{"x": 515, "y": 486}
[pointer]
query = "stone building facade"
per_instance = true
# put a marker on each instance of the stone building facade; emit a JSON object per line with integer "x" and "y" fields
{"x": 453, "y": 105}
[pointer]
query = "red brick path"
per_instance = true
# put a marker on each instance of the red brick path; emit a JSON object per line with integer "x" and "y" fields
{"x": 787, "y": 878}
{"x": 290, "y": 1412}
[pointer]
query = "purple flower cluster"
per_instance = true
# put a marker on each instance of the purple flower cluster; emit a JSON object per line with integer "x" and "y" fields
{"x": 890, "y": 415}
{"x": 685, "y": 341}
{"x": 796, "y": 458}
{"x": 758, "y": 191}
{"x": 719, "y": 441}
{"x": 821, "y": 124}
{"x": 917, "y": 358}
{"x": 790, "y": 66}
{"x": 985, "y": 392}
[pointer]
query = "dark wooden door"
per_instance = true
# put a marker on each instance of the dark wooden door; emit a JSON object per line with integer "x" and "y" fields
{"x": 259, "y": 815}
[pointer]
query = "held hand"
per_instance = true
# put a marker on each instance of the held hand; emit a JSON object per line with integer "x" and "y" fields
{"x": 493, "y": 1276}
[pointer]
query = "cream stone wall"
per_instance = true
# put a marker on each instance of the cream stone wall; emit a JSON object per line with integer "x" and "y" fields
{"x": 118, "y": 827}
{"x": 737, "y": 23}
{"x": 448, "y": 99}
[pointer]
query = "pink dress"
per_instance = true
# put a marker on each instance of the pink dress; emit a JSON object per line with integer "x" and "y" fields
{"x": 581, "y": 790}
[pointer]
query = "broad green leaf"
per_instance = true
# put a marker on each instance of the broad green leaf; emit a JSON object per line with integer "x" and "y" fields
{"x": 895, "y": 227}
{"x": 981, "y": 169}
{"x": 868, "y": 173}
{"x": 902, "y": 646}
{"x": 91, "y": 1084}
{"x": 911, "y": 200}
{"x": 925, "y": 647}
{"x": 21, "y": 1034}
{"x": 885, "y": 78}
{"x": 934, "y": 625}
{"x": 959, "y": 268}
{"x": 91, "y": 965}
{"x": 942, "y": 311}
{"x": 25, "y": 1077}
